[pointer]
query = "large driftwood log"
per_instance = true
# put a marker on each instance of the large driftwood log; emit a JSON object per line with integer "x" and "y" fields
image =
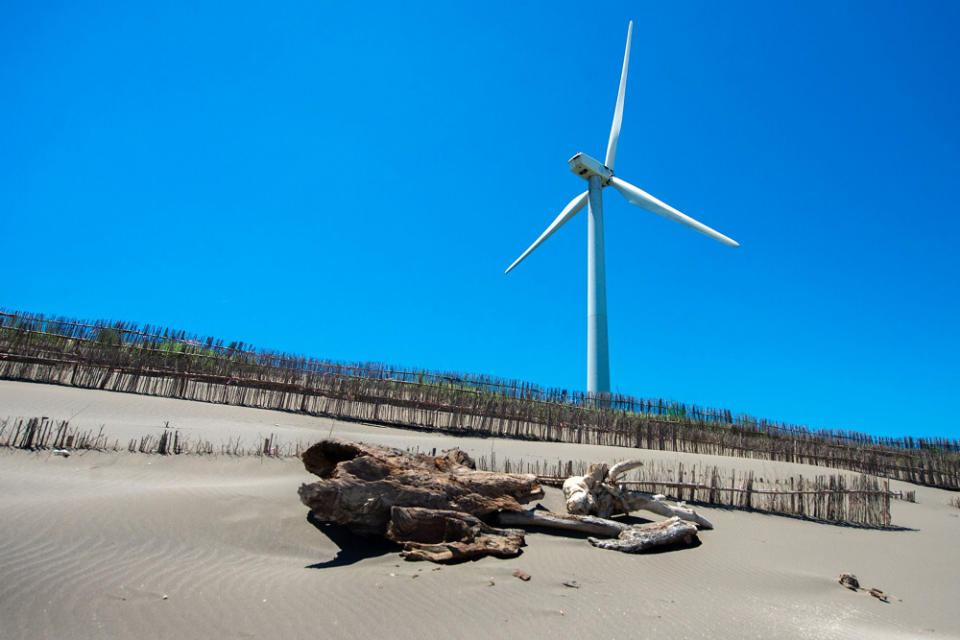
{"x": 428, "y": 504}
{"x": 597, "y": 493}
{"x": 359, "y": 484}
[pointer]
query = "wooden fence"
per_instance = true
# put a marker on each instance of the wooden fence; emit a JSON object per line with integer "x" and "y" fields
{"x": 41, "y": 433}
{"x": 120, "y": 357}
{"x": 858, "y": 500}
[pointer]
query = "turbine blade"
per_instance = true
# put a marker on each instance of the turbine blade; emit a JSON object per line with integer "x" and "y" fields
{"x": 568, "y": 212}
{"x": 643, "y": 199}
{"x": 618, "y": 112}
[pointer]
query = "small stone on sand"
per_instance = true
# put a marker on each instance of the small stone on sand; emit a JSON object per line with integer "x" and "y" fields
{"x": 849, "y": 581}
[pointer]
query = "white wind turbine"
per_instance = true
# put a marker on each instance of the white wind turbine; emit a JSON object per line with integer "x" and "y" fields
{"x": 599, "y": 176}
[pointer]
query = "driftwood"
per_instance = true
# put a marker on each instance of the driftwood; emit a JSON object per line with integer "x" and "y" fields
{"x": 617, "y": 535}
{"x": 440, "y": 535}
{"x": 443, "y": 510}
{"x": 428, "y": 504}
{"x": 360, "y": 484}
{"x": 549, "y": 520}
{"x": 639, "y": 538}
{"x": 121, "y": 356}
{"x": 598, "y": 494}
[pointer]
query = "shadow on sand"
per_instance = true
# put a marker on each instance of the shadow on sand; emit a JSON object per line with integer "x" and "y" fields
{"x": 353, "y": 547}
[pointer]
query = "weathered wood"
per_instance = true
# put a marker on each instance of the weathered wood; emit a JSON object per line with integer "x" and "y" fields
{"x": 359, "y": 485}
{"x": 619, "y": 536}
{"x": 640, "y": 538}
{"x": 639, "y": 501}
{"x": 441, "y": 535}
{"x": 581, "y": 492}
{"x": 433, "y": 505}
{"x": 621, "y": 468}
{"x": 568, "y": 522}
{"x": 597, "y": 494}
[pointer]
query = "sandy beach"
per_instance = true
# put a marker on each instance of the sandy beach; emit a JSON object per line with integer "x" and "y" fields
{"x": 120, "y": 545}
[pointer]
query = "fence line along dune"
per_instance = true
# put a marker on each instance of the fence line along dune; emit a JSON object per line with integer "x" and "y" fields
{"x": 859, "y": 500}
{"x": 42, "y": 433}
{"x": 121, "y": 356}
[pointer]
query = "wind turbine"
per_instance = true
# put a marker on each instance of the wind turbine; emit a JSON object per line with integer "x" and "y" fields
{"x": 599, "y": 176}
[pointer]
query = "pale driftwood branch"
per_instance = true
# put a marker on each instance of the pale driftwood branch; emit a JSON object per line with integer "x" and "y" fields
{"x": 618, "y": 535}
{"x": 568, "y": 522}
{"x": 640, "y": 538}
{"x": 581, "y": 492}
{"x": 621, "y": 468}
{"x": 598, "y": 494}
{"x": 636, "y": 500}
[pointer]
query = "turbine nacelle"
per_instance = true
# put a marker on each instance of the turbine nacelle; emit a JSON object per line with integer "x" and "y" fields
{"x": 586, "y": 167}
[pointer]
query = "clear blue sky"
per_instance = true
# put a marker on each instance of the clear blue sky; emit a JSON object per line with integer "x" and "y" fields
{"x": 350, "y": 184}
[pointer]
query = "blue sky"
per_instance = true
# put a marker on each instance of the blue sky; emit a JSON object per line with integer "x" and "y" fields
{"x": 350, "y": 184}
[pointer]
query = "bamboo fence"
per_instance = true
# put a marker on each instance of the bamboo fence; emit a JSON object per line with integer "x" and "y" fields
{"x": 121, "y": 356}
{"x": 858, "y": 500}
{"x": 43, "y": 434}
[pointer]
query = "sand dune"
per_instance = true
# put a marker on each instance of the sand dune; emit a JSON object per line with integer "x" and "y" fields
{"x": 91, "y": 544}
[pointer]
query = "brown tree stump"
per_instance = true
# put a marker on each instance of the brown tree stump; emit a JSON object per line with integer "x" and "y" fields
{"x": 360, "y": 484}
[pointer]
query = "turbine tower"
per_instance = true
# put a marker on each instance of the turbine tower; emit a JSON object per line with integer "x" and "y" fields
{"x": 599, "y": 176}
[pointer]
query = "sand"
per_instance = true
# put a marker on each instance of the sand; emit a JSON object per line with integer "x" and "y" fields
{"x": 118, "y": 545}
